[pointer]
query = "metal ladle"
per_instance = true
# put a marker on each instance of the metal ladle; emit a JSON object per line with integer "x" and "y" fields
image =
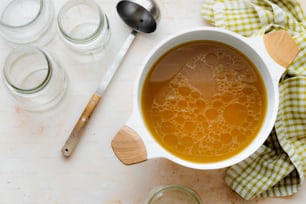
{"x": 142, "y": 16}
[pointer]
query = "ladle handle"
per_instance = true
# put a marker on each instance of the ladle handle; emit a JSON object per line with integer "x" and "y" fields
{"x": 115, "y": 64}
{"x": 75, "y": 135}
{"x": 129, "y": 147}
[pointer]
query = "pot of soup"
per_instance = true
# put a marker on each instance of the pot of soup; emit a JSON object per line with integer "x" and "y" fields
{"x": 205, "y": 98}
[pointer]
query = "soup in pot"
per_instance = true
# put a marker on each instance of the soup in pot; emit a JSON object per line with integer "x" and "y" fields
{"x": 203, "y": 101}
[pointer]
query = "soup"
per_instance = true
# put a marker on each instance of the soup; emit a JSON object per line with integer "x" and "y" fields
{"x": 203, "y": 101}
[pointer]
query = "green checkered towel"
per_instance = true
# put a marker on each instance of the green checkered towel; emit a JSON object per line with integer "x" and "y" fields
{"x": 278, "y": 167}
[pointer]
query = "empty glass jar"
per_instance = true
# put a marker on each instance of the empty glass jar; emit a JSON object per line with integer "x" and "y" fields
{"x": 177, "y": 194}
{"x": 34, "y": 79}
{"x": 27, "y": 21}
{"x": 83, "y": 26}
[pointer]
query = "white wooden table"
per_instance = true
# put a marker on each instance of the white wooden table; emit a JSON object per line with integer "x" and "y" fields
{"x": 32, "y": 168}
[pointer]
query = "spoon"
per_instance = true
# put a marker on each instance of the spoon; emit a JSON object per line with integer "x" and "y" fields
{"x": 142, "y": 16}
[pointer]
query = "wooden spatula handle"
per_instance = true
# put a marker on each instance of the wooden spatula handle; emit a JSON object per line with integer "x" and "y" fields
{"x": 128, "y": 146}
{"x": 75, "y": 135}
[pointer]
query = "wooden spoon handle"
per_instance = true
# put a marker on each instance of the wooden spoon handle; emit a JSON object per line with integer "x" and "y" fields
{"x": 281, "y": 47}
{"x": 75, "y": 135}
{"x": 128, "y": 146}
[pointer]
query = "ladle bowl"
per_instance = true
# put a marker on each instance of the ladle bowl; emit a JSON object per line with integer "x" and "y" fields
{"x": 141, "y": 15}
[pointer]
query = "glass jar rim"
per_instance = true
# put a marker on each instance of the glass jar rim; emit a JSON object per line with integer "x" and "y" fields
{"x": 71, "y": 4}
{"x": 177, "y": 187}
{"x": 41, "y": 6}
{"x": 41, "y": 85}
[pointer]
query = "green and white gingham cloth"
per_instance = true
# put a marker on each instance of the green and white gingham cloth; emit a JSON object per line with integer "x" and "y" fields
{"x": 278, "y": 167}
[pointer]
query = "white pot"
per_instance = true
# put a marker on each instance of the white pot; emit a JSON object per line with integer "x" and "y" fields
{"x": 128, "y": 145}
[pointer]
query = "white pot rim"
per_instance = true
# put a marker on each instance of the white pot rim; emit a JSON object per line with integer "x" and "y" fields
{"x": 253, "y": 49}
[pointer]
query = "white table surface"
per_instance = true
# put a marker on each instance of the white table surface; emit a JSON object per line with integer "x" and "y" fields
{"x": 32, "y": 168}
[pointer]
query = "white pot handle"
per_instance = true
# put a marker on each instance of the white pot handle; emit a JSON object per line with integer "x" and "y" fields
{"x": 133, "y": 143}
{"x": 278, "y": 49}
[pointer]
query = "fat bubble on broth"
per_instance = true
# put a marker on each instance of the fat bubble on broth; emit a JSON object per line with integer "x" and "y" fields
{"x": 203, "y": 101}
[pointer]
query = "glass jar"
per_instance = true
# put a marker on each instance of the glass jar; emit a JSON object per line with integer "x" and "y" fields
{"x": 33, "y": 78}
{"x": 177, "y": 194}
{"x": 83, "y": 26}
{"x": 27, "y": 21}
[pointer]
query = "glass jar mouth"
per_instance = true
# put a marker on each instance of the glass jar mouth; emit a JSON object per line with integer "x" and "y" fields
{"x": 26, "y": 24}
{"x": 71, "y": 4}
{"x": 10, "y": 61}
{"x": 178, "y": 188}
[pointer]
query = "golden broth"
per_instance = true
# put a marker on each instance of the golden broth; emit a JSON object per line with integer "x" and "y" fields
{"x": 203, "y": 101}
